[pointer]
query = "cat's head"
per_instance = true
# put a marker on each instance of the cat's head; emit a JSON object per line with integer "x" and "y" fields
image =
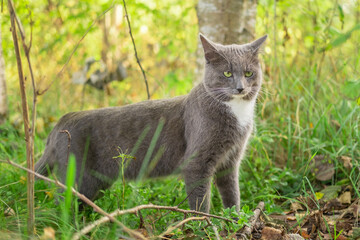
{"x": 232, "y": 71}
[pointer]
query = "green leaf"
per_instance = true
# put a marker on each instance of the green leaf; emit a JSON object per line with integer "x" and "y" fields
{"x": 342, "y": 38}
{"x": 70, "y": 181}
{"x": 341, "y": 14}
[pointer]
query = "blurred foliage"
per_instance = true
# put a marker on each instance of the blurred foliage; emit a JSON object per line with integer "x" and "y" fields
{"x": 165, "y": 36}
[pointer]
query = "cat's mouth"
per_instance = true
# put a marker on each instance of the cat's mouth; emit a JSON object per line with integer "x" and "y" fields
{"x": 240, "y": 93}
{"x": 246, "y": 94}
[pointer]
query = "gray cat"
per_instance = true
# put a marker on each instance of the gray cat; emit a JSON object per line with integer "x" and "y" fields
{"x": 202, "y": 134}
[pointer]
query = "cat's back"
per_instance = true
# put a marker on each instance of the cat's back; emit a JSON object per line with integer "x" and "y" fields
{"x": 131, "y": 113}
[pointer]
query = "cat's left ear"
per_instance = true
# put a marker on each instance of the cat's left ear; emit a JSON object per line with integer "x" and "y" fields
{"x": 255, "y": 45}
{"x": 210, "y": 51}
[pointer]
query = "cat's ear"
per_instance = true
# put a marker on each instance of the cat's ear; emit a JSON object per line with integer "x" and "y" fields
{"x": 210, "y": 51}
{"x": 255, "y": 45}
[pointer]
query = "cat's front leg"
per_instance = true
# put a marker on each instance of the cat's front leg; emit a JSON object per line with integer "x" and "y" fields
{"x": 198, "y": 188}
{"x": 227, "y": 181}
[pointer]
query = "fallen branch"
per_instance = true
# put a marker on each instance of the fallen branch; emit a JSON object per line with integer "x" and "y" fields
{"x": 245, "y": 233}
{"x": 136, "y": 55}
{"x": 134, "y": 210}
{"x": 108, "y": 216}
{"x": 214, "y": 228}
{"x": 188, "y": 195}
{"x": 170, "y": 229}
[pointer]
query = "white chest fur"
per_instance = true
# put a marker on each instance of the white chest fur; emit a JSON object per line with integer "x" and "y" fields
{"x": 243, "y": 110}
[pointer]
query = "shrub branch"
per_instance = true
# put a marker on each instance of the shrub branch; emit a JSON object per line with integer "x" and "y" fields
{"x": 136, "y": 55}
{"x": 29, "y": 130}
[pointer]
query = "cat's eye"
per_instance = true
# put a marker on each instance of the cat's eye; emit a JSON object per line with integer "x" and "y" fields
{"x": 248, "y": 74}
{"x": 227, "y": 74}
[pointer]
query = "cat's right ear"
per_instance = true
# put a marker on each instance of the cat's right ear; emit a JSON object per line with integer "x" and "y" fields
{"x": 210, "y": 51}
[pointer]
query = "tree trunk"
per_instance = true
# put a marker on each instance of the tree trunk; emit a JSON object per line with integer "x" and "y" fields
{"x": 3, "y": 98}
{"x": 225, "y": 22}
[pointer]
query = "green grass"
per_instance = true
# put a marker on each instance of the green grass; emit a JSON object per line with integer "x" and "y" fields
{"x": 308, "y": 106}
{"x": 295, "y": 122}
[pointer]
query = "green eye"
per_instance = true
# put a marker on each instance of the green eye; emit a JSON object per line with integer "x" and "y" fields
{"x": 248, "y": 74}
{"x": 227, "y": 74}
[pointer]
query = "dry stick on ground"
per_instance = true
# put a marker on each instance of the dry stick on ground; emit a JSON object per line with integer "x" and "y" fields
{"x": 177, "y": 205}
{"x": 59, "y": 74}
{"x": 136, "y": 55}
{"x": 27, "y": 129}
{"x": 170, "y": 229}
{"x": 246, "y": 231}
{"x": 108, "y": 216}
{"x": 134, "y": 210}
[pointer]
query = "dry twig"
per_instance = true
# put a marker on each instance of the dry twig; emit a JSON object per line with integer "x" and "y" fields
{"x": 136, "y": 55}
{"x": 108, "y": 216}
{"x": 247, "y": 230}
{"x": 134, "y": 210}
{"x": 170, "y": 229}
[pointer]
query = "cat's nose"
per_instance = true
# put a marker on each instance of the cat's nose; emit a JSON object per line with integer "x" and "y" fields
{"x": 240, "y": 89}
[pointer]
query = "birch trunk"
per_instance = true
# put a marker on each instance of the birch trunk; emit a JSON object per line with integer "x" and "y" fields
{"x": 226, "y": 22}
{"x": 3, "y": 97}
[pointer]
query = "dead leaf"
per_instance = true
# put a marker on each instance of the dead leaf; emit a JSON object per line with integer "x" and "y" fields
{"x": 324, "y": 168}
{"x": 304, "y": 234}
{"x": 291, "y": 218}
{"x": 341, "y": 237}
{"x": 49, "y": 234}
{"x": 269, "y": 233}
{"x": 327, "y": 236}
{"x": 345, "y": 198}
{"x": 300, "y": 215}
{"x": 332, "y": 206}
{"x": 295, "y": 206}
{"x": 346, "y": 162}
{"x": 356, "y": 210}
{"x": 293, "y": 237}
{"x": 9, "y": 212}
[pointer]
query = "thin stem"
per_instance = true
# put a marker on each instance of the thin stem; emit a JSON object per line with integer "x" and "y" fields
{"x": 136, "y": 55}
{"x": 27, "y": 129}
{"x": 59, "y": 74}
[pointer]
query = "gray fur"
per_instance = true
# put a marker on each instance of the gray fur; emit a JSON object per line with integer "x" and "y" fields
{"x": 201, "y": 135}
